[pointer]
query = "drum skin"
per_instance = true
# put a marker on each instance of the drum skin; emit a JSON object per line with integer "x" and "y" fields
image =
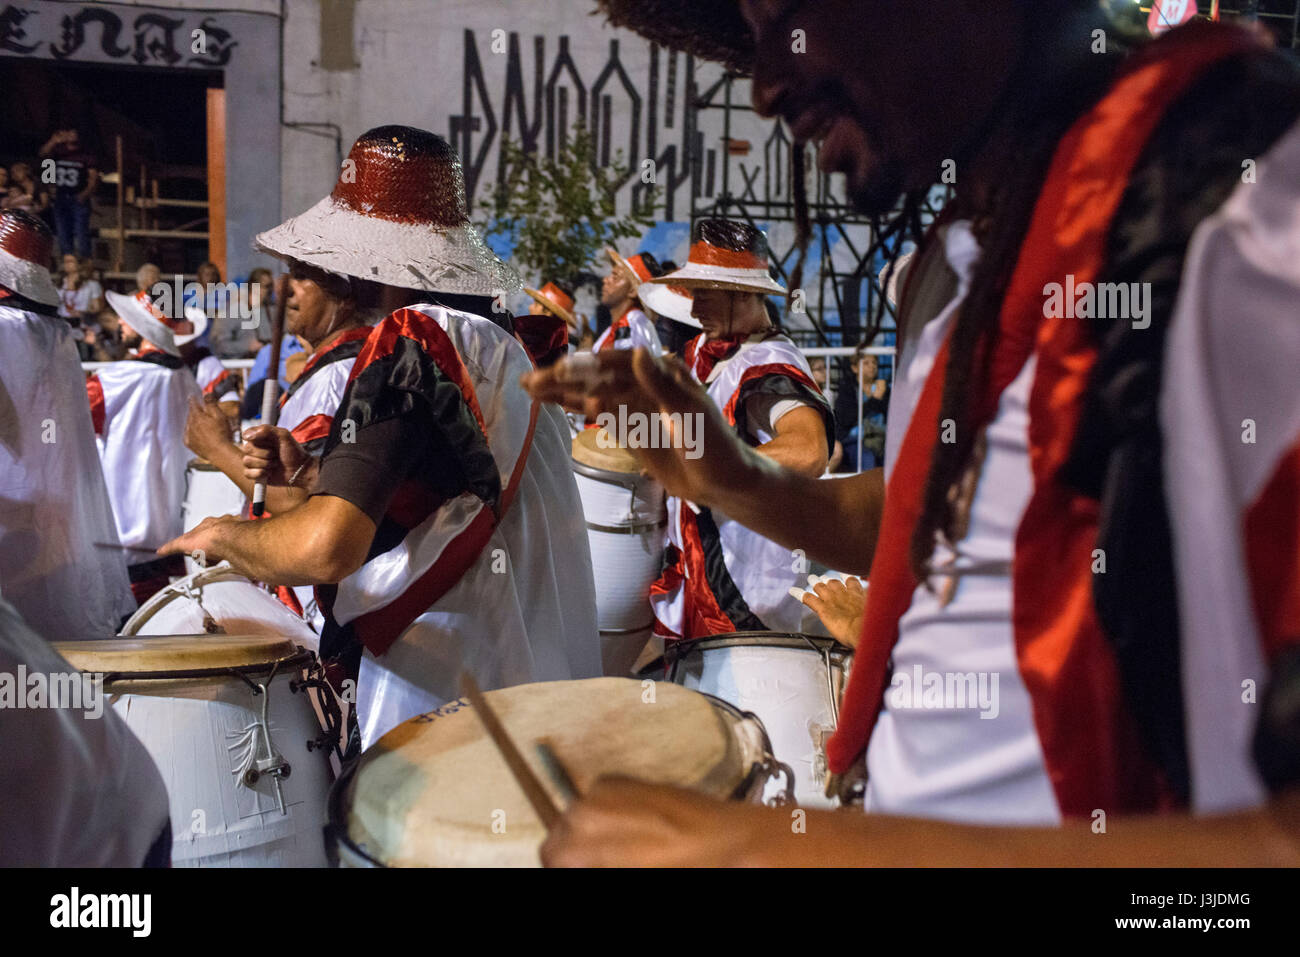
{"x": 782, "y": 679}
{"x": 626, "y": 520}
{"x": 220, "y": 597}
{"x": 201, "y": 732}
{"x": 434, "y": 791}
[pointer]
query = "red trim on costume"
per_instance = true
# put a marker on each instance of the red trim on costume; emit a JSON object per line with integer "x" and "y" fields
{"x": 1090, "y": 745}
{"x": 701, "y": 613}
{"x": 1270, "y": 533}
{"x": 311, "y": 428}
{"x": 95, "y": 393}
{"x": 421, "y": 329}
{"x": 378, "y": 629}
{"x": 610, "y": 336}
{"x": 211, "y": 387}
{"x": 312, "y": 363}
{"x": 759, "y": 372}
{"x": 289, "y": 598}
{"x": 707, "y": 254}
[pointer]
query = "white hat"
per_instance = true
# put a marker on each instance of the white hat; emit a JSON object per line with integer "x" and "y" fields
{"x": 725, "y": 254}
{"x": 671, "y": 302}
{"x": 144, "y": 317}
{"x": 397, "y": 216}
{"x": 199, "y": 319}
{"x": 26, "y": 249}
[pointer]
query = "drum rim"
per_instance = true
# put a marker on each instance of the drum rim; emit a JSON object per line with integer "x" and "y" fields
{"x": 156, "y": 603}
{"x": 336, "y": 824}
{"x": 626, "y": 479}
{"x": 675, "y": 651}
{"x": 300, "y": 659}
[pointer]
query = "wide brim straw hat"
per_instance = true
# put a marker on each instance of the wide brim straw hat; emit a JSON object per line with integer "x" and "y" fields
{"x": 199, "y": 319}
{"x": 675, "y": 303}
{"x": 144, "y": 317}
{"x": 555, "y": 301}
{"x": 397, "y": 216}
{"x": 725, "y": 254}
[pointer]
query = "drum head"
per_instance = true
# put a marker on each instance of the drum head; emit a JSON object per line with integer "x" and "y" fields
{"x": 595, "y": 449}
{"x": 435, "y": 791}
{"x": 174, "y": 653}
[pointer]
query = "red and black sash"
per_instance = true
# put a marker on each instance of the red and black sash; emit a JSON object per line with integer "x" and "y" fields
{"x": 346, "y": 346}
{"x": 409, "y": 365}
{"x": 1090, "y": 742}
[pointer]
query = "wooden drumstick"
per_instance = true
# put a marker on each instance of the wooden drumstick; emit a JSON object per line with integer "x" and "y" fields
{"x": 270, "y": 393}
{"x": 523, "y": 774}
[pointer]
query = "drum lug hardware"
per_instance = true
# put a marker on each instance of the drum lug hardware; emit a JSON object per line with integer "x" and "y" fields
{"x": 255, "y": 740}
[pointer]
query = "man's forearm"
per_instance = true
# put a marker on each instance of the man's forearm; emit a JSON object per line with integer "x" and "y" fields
{"x": 834, "y": 521}
{"x": 283, "y": 550}
{"x": 279, "y": 498}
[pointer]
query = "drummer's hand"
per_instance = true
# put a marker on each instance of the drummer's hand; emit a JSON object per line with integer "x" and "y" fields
{"x": 706, "y": 461}
{"x": 203, "y": 542}
{"x": 206, "y": 428}
{"x": 839, "y": 605}
{"x": 272, "y": 455}
{"x": 627, "y": 823}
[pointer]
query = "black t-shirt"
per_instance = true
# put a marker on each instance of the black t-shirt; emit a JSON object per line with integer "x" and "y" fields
{"x": 72, "y": 172}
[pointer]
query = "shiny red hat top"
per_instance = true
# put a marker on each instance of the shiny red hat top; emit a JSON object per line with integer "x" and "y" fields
{"x": 405, "y": 175}
{"x": 25, "y": 237}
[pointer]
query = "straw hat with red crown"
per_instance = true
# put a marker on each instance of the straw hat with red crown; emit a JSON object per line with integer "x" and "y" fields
{"x": 26, "y": 250}
{"x": 397, "y": 217}
{"x": 725, "y": 254}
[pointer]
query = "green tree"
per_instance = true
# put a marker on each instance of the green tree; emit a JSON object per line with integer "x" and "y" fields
{"x": 560, "y": 213}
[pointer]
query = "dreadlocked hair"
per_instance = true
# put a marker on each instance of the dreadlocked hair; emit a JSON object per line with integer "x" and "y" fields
{"x": 1029, "y": 133}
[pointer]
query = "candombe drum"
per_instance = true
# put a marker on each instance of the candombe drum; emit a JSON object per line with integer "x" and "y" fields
{"x": 626, "y": 519}
{"x": 231, "y": 722}
{"x": 435, "y": 792}
{"x": 208, "y": 493}
{"x": 218, "y": 600}
{"x": 793, "y": 683}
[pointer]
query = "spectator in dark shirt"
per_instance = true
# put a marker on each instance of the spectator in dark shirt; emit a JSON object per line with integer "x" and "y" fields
{"x": 76, "y": 174}
{"x": 864, "y": 446}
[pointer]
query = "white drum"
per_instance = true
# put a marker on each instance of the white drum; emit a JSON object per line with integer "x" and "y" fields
{"x": 208, "y": 493}
{"x": 231, "y": 722}
{"x": 626, "y": 519}
{"x": 793, "y": 683}
{"x": 435, "y": 792}
{"x": 218, "y": 600}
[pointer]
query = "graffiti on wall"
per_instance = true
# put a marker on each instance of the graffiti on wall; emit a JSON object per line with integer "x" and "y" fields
{"x": 98, "y": 33}
{"x": 654, "y": 116}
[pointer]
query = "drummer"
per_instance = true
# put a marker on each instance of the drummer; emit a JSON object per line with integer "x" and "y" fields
{"x": 1116, "y": 704}
{"x": 441, "y": 512}
{"x": 673, "y": 309}
{"x": 323, "y": 311}
{"x": 138, "y": 407}
{"x": 630, "y": 327}
{"x": 59, "y": 560}
{"x": 720, "y": 576}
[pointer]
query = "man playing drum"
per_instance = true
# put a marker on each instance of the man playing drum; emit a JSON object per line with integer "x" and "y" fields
{"x": 720, "y": 576}
{"x": 1152, "y": 538}
{"x": 441, "y": 512}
